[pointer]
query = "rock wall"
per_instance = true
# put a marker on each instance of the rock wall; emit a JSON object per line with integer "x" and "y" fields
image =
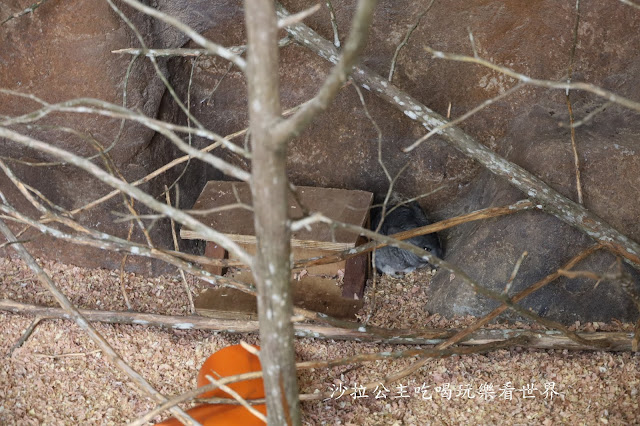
{"x": 63, "y": 51}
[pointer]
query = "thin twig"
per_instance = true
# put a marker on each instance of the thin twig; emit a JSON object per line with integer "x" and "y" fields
{"x": 193, "y": 393}
{"x": 587, "y": 117}
{"x": 599, "y": 91}
{"x": 215, "y": 88}
{"x": 22, "y": 188}
{"x": 487, "y": 213}
{"x": 190, "y": 32}
{"x": 29, "y": 9}
{"x": 473, "y": 43}
{"x": 463, "y": 117}
{"x": 27, "y": 333}
{"x": 334, "y": 24}
{"x": 374, "y": 281}
{"x": 354, "y": 45}
{"x": 574, "y": 147}
{"x": 589, "y": 274}
{"x": 123, "y": 288}
{"x": 236, "y": 396}
{"x": 406, "y": 40}
{"x": 189, "y": 135}
{"x": 298, "y": 17}
{"x": 176, "y": 248}
{"x": 518, "y": 297}
{"x": 514, "y": 273}
{"x": 156, "y": 67}
{"x": 68, "y": 355}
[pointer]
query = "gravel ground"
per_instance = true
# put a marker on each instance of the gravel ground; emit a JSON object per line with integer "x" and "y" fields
{"x": 58, "y": 376}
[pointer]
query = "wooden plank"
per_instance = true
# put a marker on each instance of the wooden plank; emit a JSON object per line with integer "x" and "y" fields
{"x": 301, "y": 253}
{"x": 226, "y": 303}
{"x": 343, "y": 205}
{"x": 355, "y": 274}
{"x": 318, "y": 294}
{"x": 215, "y": 251}
{"x": 251, "y": 240}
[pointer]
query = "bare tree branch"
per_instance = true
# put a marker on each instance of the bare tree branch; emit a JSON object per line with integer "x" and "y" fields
{"x": 518, "y": 297}
{"x": 514, "y": 273}
{"x": 470, "y": 336}
{"x": 404, "y": 41}
{"x": 176, "y": 247}
{"x": 132, "y": 191}
{"x": 487, "y": 213}
{"x": 178, "y": 51}
{"x": 599, "y": 91}
{"x": 27, "y": 333}
{"x": 549, "y": 199}
{"x": 181, "y": 51}
{"x": 236, "y": 396}
{"x": 168, "y": 166}
{"x": 271, "y": 268}
{"x": 334, "y": 24}
{"x": 105, "y": 241}
{"x": 270, "y": 134}
{"x": 155, "y": 173}
{"x": 193, "y": 34}
{"x": 156, "y": 67}
{"x": 107, "y": 109}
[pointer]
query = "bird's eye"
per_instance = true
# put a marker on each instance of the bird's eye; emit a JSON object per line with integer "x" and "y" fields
{"x": 428, "y": 249}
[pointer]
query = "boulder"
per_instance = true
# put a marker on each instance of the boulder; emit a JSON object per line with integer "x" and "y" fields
{"x": 60, "y": 52}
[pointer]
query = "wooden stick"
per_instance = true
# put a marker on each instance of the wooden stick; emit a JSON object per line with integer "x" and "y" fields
{"x": 620, "y": 341}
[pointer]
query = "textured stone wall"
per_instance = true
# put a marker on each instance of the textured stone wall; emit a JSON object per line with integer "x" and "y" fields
{"x": 63, "y": 51}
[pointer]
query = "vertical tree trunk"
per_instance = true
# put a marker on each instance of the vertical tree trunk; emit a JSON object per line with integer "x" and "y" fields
{"x": 272, "y": 266}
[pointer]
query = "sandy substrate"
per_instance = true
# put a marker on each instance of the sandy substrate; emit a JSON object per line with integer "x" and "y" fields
{"x": 58, "y": 376}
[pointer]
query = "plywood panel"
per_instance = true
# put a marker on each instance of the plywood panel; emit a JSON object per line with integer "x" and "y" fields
{"x": 316, "y": 294}
{"x": 237, "y": 222}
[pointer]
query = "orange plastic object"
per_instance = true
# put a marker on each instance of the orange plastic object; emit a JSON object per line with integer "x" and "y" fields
{"x": 227, "y": 361}
{"x": 230, "y": 361}
{"x": 221, "y": 415}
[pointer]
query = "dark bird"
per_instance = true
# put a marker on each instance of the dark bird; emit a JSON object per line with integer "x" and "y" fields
{"x": 392, "y": 260}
